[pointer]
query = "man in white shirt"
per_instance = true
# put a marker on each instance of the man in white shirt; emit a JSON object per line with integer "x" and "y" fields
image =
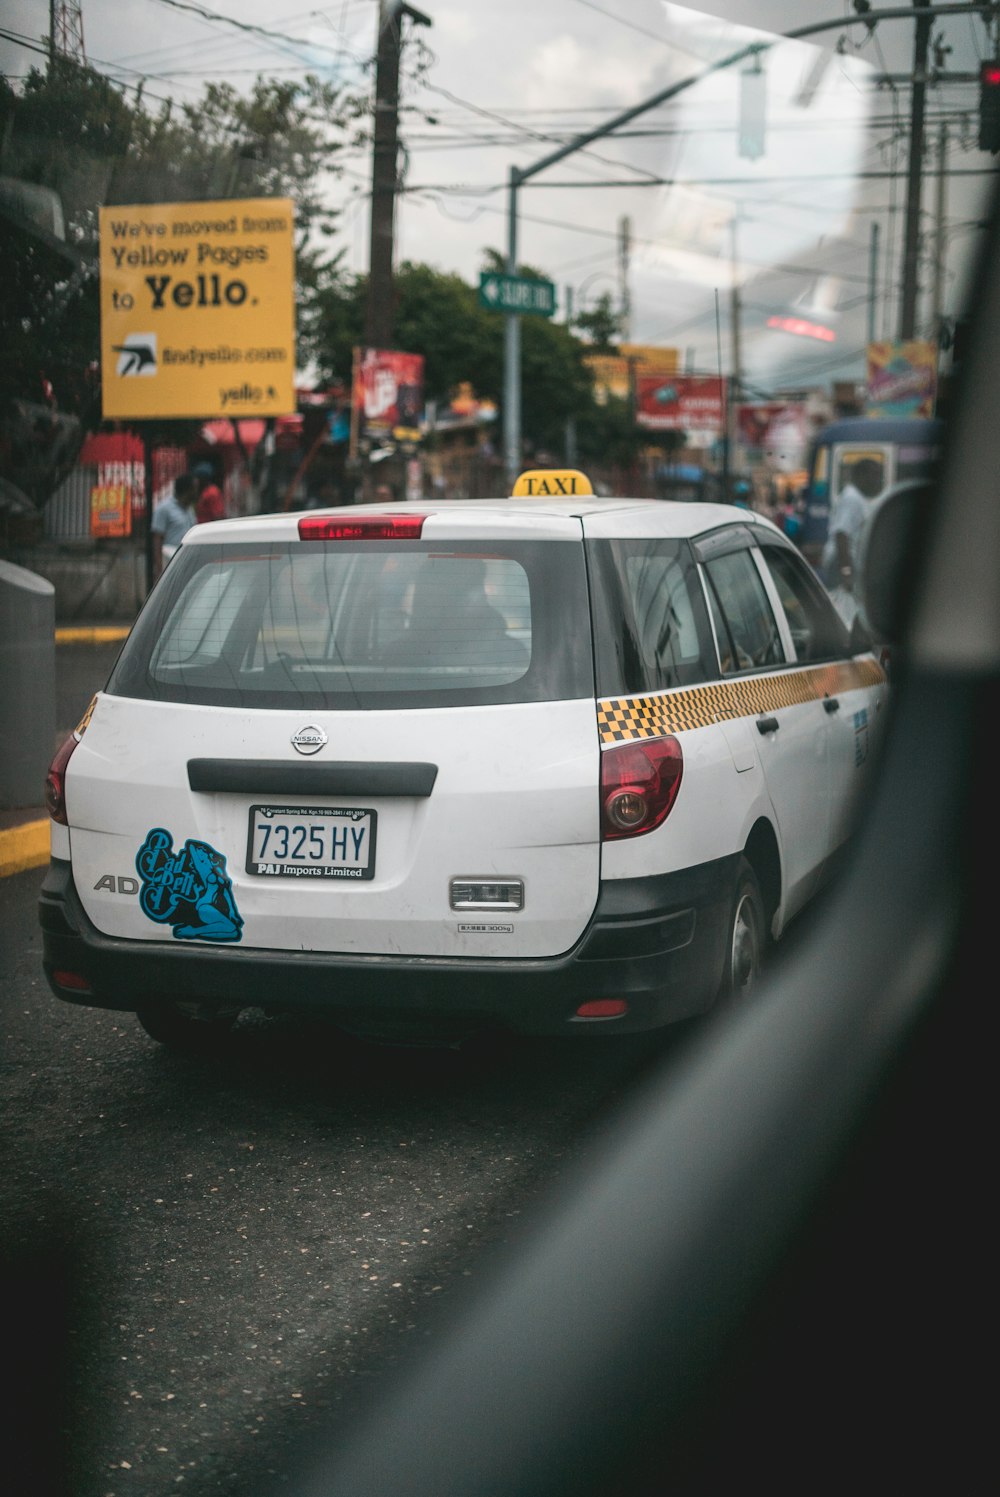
{"x": 171, "y": 521}
{"x": 847, "y": 515}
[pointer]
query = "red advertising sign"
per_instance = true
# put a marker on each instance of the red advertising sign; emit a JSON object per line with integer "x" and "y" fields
{"x": 388, "y": 389}
{"x": 120, "y": 459}
{"x": 110, "y": 510}
{"x": 680, "y": 402}
{"x": 777, "y": 431}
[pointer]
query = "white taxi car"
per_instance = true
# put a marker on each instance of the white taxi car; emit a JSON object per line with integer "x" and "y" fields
{"x": 553, "y": 763}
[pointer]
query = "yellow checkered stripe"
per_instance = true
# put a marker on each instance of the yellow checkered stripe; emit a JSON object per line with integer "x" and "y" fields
{"x": 622, "y": 718}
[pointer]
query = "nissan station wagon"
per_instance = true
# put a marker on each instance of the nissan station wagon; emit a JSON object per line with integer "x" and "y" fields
{"x": 553, "y": 764}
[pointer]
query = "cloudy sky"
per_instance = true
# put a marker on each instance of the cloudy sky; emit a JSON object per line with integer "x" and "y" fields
{"x": 665, "y": 214}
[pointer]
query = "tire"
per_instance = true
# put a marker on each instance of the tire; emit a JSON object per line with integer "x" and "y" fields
{"x": 746, "y": 938}
{"x": 184, "y": 1029}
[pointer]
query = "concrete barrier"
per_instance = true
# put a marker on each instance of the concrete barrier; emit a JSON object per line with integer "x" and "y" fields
{"x": 27, "y": 685}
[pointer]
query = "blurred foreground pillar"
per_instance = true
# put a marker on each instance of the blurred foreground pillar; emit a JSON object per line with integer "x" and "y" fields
{"x": 27, "y": 685}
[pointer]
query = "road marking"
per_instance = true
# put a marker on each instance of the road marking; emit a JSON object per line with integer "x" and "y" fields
{"x": 91, "y": 634}
{"x": 25, "y": 846}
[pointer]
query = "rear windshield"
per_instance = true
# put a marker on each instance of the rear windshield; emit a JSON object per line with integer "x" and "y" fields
{"x": 363, "y": 625}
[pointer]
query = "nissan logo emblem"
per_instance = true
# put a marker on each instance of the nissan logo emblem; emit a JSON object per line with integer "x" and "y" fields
{"x": 308, "y": 740}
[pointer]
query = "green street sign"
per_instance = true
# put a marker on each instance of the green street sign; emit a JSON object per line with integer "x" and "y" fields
{"x": 515, "y": 293}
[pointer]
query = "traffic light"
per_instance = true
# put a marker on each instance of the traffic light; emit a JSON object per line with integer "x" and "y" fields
{"x": 989, "y": 106}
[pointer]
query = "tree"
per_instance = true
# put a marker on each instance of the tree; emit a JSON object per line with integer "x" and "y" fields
{"x": 437, "y": 314}
{"x": 70, "y": 130}
{"x": 601, "y": 326}
{"x": 609, "y": 435}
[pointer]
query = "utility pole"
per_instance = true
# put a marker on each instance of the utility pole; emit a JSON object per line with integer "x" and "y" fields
{"x": 66, "y": 32}
{"x": 940, "y": 236}
{"x": 908, "y": 312}
{"x": 872, "y": 280}
{"x": 624, "y": 257}
{"x": 734, "y": 385}
{"x": 385, "y": 152}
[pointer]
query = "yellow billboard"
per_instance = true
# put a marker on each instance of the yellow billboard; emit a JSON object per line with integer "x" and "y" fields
{"x": 612, "y": 373}
{"x": 198, "y": 309}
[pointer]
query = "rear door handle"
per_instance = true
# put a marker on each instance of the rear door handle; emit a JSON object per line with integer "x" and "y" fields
{"x": 831, "y": 704}
{"x": 767, "y": 725}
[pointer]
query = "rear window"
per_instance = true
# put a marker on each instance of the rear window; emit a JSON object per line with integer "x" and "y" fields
{"x": 370, "y": 625}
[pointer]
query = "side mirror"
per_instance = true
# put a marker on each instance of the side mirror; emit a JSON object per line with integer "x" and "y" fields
{"x": 885, "y": 557}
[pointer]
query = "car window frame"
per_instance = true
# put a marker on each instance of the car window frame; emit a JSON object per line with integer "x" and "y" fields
{"x": 718, "y": 548}
{"x": 815, "y": 591}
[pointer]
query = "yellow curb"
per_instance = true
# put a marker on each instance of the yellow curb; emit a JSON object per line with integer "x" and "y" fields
{"x": 24, "y": 847}
{"x": 97, "y": 634}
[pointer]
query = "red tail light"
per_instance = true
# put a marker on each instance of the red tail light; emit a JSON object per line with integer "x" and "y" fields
{"x": 55, "y": 780}
{"x": 639, "y": 784}
{"x": 364, "y": 528}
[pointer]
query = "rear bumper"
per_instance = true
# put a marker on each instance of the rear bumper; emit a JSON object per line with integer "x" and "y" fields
{"x": 656, "y": 942}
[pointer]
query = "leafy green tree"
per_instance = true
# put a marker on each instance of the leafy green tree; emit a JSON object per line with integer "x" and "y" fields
{"x": 437, "y": 314}
{"x": 608, "y": 434}
{"x": 601, "y": 325}
{"x": 70, "y": 130}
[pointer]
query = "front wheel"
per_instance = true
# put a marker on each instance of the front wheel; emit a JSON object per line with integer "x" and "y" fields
{"x": 184, "y": 1027}
{"x": 746, "y": 937}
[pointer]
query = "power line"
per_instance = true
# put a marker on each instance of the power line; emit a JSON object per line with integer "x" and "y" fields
{"x": 632, "y": 26}
{"x": 280, "y": 37}
{"x": 644, "y": 240}
{"x": 525, "y": 130}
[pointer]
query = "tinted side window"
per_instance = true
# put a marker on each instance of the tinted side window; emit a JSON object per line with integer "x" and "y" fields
{"x": 817, "y": 630}
{"x": 651, "y": 629}
{"x": 749, "y": 637}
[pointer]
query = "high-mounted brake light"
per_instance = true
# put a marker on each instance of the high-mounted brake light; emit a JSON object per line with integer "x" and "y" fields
{"x": 639, "y": 784}
{"x": 364, "y": 528}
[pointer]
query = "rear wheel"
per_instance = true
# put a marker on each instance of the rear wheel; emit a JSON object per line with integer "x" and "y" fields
{"x": 746, "y": 937}
{"x": 186, "y": 1027}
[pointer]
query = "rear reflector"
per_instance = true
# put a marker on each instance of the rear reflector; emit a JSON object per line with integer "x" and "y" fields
{"x": 364, "y": 528}
{"x": 602, "y": 1008}
{"x": 74, "y": 980}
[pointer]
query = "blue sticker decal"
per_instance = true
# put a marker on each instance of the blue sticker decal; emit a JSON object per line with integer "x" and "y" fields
{"x": 189, "y": 890}
{"x": 860, "y": 737}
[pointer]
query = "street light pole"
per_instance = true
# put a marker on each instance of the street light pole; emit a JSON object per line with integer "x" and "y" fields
{"x": 908, "y": 311}
{"x": 512, "y": 349}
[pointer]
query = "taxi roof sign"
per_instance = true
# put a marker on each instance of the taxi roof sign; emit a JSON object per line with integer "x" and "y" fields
{"x": 551, "y": 483}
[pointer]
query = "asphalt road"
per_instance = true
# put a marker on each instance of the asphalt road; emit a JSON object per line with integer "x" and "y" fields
{"x": 209, "y": 1263}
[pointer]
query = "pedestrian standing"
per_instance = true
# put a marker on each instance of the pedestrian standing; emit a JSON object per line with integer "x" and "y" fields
{"x": 172, "y": 519}
{"x": 211, "y": 505}
{"x": 847, "y": 515}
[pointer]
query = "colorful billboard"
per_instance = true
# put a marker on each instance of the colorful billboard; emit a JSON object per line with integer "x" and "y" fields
{"x": 110, "y": 509}
{"x": 388, "y": 391}
{"x": 612, "y": 372}
{"x": 692, "y": 403}
{"x": 775, "y": 432}
{"x": 198, "y": 309}
{"x": 902, "y": 379}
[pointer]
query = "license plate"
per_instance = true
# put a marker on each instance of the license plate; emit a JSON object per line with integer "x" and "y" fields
{"x": 311, "y": 842}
